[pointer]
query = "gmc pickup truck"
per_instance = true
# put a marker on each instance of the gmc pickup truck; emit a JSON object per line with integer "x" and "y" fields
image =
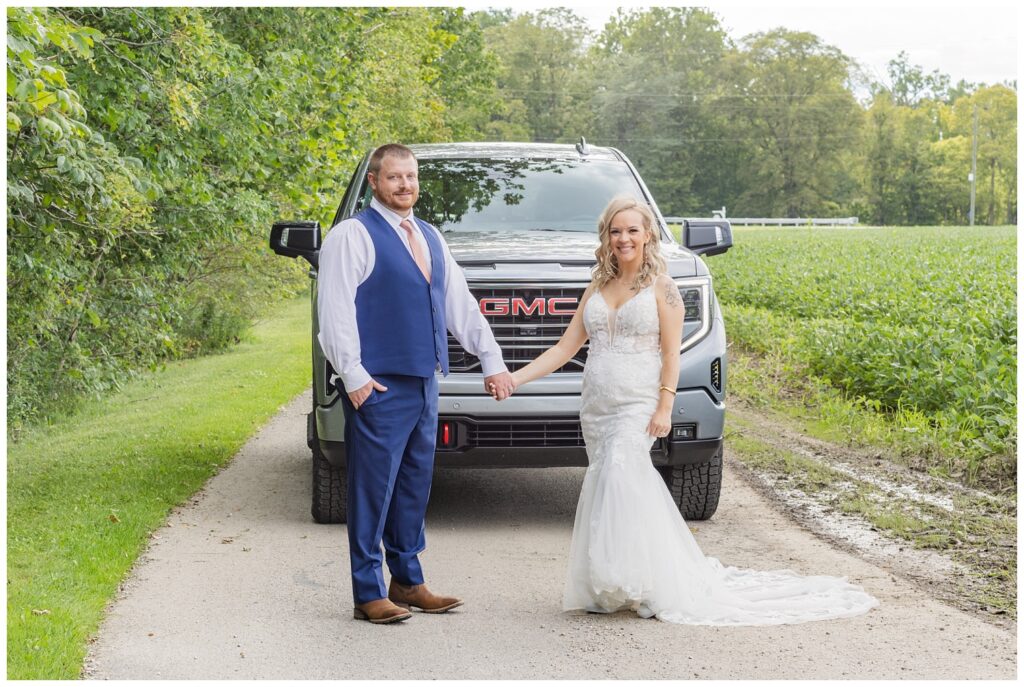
{"x": 521, "y": 221}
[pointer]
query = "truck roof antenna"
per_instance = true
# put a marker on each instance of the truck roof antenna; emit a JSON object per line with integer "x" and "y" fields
{"x": 582, "y": 147}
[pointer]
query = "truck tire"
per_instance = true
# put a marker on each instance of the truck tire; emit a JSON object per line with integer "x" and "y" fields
{"x": 330, "y": 488}
{"x": 695, "y": 487}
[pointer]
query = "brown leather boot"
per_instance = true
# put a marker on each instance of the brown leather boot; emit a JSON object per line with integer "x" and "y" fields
{"x": 422, "y": 598}
{"x": 380, "y": 612}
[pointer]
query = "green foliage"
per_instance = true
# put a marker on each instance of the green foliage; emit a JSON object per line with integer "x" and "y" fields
{"x": 771, "y": 126}
{"x": 149, "y": 150}
{"x": 658, "y": 95}
{"x": 911, "y": 87}
{"x": 903, "y": 187}
{"x": 540, "y": 56}
{"x": 468, "y": 70}
{"x": 917, "y": 320}
{"x": 997, "y": 149}
{"x": 917, "y": 156}
{"x": 801, "y": 117}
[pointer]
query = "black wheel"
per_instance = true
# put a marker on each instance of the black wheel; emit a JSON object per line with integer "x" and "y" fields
{"x": 695, "y": 487}
{"x": 330, "y": 487}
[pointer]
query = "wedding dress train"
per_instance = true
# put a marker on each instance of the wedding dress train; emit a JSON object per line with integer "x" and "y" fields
{"x": 630, "y": 546}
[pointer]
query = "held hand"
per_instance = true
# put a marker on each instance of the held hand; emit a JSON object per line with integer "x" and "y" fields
{"x": 499, "y": 386}
{"x": 516, "y": 383}
{"x": 660, "y": 424}
{"x": 362, "y": 393}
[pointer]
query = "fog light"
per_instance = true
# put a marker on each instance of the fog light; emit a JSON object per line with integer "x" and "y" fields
{"x": 680, "y": 432}
{"x": 445, "y": 434}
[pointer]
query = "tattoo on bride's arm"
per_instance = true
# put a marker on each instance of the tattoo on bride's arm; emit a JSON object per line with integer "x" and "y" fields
{"x": 672, "y": 296}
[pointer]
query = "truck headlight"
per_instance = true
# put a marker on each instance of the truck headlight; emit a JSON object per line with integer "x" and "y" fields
{"x": 696, "y": 294}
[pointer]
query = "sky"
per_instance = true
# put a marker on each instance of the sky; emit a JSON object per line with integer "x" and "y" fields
{"x": 975, "y": 42}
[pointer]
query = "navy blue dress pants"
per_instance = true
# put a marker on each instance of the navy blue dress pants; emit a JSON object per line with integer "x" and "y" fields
{"x": 389, "y": 443}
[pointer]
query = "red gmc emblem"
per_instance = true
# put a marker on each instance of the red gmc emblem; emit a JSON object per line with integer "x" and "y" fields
{"x": 520, "y": 306}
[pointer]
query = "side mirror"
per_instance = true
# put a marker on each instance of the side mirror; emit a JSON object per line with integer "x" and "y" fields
{"x": 297, "y": 239}
{"x": 707, "y": 236}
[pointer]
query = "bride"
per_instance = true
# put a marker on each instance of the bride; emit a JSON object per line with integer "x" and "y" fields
{"x": 630, "y": 548}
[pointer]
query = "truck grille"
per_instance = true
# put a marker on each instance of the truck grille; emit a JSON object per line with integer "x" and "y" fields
{"x": 522, "y": 336}
{"x": 561, "y": 432}
{"x": 509, "y": 433}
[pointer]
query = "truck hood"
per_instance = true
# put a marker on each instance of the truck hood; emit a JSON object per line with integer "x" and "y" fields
{"x": 494, "y": 248}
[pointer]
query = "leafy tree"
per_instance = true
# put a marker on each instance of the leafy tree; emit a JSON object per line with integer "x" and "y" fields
{"x": 951, "y": 163}
{"x": 150, "y": 148}
{"x": 881, "y": 134}
{"x": 657, "y": 95}
{"x": 802, "y": 118}
{"x": 73, "y": 201}
{"x": 961, "y": 89}
{"x": 468, "y": 76}
{"x": 901, "y": 162}
{"x": 918, "y": 141}
{"x": 540, "y": 55}
{"x": 909, "y": 85}
{"x": 997, "y": 149}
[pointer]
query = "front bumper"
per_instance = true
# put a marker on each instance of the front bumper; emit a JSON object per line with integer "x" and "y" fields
{"x": 538, "y": 431}
{"x": 675, "y": 453}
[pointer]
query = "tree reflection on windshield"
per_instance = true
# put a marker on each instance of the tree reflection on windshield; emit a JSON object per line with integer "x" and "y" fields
{"x": 450, "y": 188}
{"x": 519, "y": 194}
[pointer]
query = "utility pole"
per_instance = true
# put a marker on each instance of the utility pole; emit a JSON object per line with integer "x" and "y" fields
{"x": 974, "y": 161}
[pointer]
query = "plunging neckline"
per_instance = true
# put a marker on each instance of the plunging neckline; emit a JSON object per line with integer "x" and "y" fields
{"x": 625, "y": 301}
{"x": 612, "y": 325}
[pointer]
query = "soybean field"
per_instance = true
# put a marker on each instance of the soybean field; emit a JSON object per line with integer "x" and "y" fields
{"x": 915, "y": 324}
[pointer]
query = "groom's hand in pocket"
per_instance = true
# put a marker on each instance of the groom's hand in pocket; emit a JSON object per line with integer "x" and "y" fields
{"x": 499, "y": 386}
{"x": 362, "y": 393}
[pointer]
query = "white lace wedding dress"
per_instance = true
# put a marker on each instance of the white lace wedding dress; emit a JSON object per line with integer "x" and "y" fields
{"x": 631, "y": 549}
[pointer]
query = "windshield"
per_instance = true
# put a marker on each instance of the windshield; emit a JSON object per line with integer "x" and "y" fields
{"x": 519, "y": 194}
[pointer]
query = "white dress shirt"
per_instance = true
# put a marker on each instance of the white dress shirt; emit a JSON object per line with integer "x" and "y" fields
{"x": 347, "y": 258}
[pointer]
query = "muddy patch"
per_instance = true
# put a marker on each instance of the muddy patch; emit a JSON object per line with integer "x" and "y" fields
{"x": 956, "y": 542}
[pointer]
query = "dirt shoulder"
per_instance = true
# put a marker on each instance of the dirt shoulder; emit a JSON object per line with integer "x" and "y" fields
{"x": 956, "y": 543}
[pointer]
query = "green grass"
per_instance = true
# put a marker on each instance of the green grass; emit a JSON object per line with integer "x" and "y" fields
{"x": 84, "y": 493}
{"x": 809, "y": 476}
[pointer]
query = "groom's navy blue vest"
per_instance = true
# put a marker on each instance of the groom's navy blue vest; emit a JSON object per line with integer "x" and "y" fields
{"x": 400, "y": 316}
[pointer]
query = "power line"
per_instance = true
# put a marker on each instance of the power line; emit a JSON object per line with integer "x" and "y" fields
{"x": 747, "y": 139}
{"x": 676, "y": 96}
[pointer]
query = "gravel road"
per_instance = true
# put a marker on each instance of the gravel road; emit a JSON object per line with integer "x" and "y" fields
{"x": 240, "y": 583}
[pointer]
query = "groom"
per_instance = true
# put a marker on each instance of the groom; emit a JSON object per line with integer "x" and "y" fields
{"x": 388, "y": 292}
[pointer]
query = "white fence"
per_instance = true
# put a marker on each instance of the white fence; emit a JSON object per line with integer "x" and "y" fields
{"x": 780, "y": 221}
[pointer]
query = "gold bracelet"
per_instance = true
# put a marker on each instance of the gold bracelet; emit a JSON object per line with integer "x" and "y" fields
{"x": 668, "y": 389}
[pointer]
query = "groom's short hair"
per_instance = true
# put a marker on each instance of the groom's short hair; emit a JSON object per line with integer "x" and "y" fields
{"x": 394, "y": 149}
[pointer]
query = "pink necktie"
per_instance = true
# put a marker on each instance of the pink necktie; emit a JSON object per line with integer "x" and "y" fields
{"x": 417, "y": 250}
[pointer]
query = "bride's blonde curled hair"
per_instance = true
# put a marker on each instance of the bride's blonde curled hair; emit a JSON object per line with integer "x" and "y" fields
{"x": 607, "y": 267}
